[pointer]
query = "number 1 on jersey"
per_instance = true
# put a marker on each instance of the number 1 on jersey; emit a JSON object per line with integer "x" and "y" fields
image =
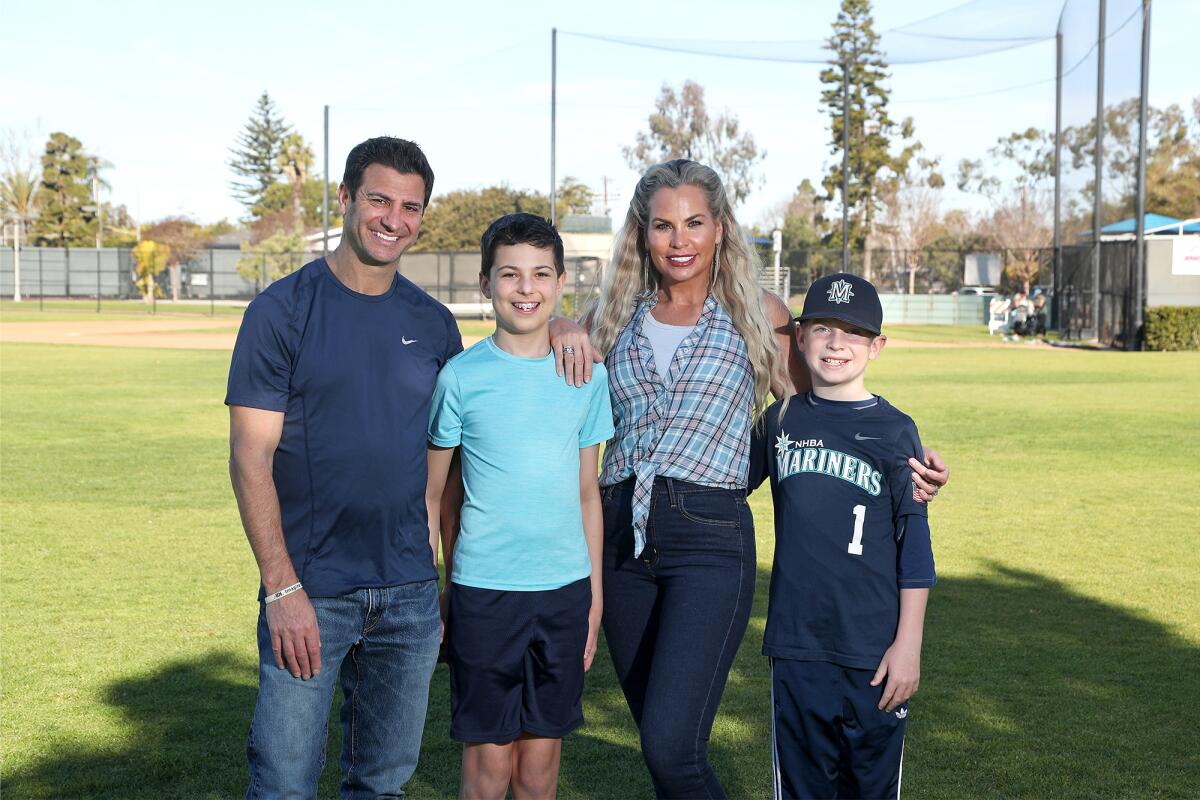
{"x": 855, "y": 547}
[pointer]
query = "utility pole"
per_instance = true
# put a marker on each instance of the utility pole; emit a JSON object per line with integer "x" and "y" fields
{"x": 96, "y": 200}
{"x": 18, "y": 224}
{"x": 553, "y": 123}
{"x": 1139, "y": 278}
{"x": 777, "y": 247}
{"x": 1098, "y": 209}
{"x": 1056, "y": 272}
{"x": 845, "y": 166}
{"x": 325, "y": 193}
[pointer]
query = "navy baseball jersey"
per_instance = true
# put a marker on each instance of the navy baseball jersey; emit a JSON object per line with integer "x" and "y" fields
{"x": 849, "y": 531}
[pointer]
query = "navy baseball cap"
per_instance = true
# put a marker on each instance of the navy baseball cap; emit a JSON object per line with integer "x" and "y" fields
{"x": 846, "y": 297}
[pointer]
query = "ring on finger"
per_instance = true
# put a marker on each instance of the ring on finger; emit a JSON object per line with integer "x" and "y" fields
{"x": 568, "y": 349}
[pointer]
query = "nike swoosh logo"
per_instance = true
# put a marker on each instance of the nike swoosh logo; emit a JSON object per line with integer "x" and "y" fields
{"x": 858, "y": 437}
{"x": 406, "y": 341}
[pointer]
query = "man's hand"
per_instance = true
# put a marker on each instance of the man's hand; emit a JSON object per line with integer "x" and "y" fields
{"x": 295, "y": 637}
{"x": 593, "y": 637}
{"x": 901, "y": 665}
{"x": 929, "y": 476}
{"x": 573, "y": 351}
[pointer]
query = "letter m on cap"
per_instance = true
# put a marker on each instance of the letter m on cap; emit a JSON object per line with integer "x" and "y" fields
{"x": 839, "y": 292}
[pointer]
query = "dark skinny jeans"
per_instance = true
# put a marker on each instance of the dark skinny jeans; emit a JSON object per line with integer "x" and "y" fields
{"x": 673, "y": 620}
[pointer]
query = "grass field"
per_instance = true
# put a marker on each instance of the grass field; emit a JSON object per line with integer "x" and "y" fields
{"x": 1062, "y": 646}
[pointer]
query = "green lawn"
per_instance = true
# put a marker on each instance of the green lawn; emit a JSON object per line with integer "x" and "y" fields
{"x": 1063, "y": 640}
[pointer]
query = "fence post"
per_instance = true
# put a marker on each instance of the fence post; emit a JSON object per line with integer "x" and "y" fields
{"x": 153, "y": 276}
{"x": 67, "y": 273}
{"x": 212, "y": 303}
{"x": 97, "y": 280}
{"x": 41, "y": 292}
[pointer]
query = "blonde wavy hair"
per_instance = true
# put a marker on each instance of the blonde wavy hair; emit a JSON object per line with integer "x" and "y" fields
{"x": 630, "y": 276}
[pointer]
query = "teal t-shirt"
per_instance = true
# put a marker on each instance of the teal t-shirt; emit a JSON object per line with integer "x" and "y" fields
{"x": 520, "y": 428}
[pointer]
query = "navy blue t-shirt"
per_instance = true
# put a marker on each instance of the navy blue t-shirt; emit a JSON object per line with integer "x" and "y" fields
{"x": 354, "y": 376}
{"x": 849, "y": 532}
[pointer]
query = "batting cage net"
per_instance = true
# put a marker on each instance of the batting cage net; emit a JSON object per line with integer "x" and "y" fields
{"x": 1095, "y": 157}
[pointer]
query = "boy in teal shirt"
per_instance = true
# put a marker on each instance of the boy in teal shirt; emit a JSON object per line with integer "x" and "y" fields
{"x": 523, "y": 570}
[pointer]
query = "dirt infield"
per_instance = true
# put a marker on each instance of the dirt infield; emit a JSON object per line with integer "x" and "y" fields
{"x": 175, "y": 333}
{"x": 196, "y": 334}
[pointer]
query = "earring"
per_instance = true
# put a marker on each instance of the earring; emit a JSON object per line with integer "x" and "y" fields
{"x": 716, "y": 264}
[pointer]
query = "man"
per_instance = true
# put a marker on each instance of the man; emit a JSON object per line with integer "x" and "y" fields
{"x": 329, "y": 393}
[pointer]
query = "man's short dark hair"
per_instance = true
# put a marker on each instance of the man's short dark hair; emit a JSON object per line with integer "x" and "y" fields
{"x": 400, "y": 154}
{"x": 520, "y": 228}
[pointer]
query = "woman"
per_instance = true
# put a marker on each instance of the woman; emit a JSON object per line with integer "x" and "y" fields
{"x": 693, "y": 347}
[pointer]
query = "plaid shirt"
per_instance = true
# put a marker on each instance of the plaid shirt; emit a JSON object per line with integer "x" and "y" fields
{"x": 694, "y": 425}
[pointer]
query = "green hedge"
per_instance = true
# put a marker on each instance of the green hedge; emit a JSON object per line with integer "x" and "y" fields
{"x": 1173, "y": 328}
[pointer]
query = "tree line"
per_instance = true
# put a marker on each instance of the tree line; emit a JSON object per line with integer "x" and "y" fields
{"x": 894, "y": 198}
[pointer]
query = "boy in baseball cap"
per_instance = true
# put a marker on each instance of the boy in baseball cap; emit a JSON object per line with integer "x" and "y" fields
{"x": 853, "y": 562}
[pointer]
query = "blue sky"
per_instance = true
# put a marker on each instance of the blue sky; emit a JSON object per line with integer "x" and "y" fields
{"x": 162, "y": 89}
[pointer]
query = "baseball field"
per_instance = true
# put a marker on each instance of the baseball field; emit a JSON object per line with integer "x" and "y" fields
{"x": 1062, "y": 648}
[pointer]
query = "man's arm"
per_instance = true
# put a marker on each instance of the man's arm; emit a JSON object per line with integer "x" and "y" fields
{"x": 443, "y": 504}
{"x": 593, "y": 534}
{"x": 901, "y": 664}
{"x": 793, "y": 377}
{"x": 443, "y": 499}
{"x": 253, "y": 437}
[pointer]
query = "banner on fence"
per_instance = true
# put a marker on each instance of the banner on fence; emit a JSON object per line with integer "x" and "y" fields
{"x": 1185, "y": 256}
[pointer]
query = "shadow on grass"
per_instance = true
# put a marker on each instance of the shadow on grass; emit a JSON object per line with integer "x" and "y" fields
{"x": 187, "y": 727}
{"x": 1028, "y": 690}
{"x": 600, "y": 760}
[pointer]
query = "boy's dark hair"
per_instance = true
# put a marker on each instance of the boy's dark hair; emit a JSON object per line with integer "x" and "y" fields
{"x": 400, "y": 154}
{"x": 520, "y": 228}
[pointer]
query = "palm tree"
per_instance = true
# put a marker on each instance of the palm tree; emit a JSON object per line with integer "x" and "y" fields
{"x": 296, "y": 161}
{"x": 18, "y": 196}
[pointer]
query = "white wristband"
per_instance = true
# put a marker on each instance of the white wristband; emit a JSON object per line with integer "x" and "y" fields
{"x": 271, "y": 598}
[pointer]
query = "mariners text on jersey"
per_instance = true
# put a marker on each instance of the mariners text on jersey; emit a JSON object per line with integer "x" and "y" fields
{"x": 810, "y": 455}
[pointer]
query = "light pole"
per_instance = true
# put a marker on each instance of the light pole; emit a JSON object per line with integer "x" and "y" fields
{"x": 17, "y": 259}
{"x": 325, "y": 193}
{"x": 553, "y": 122}
{"x": 777, "y": 247}
{"x": 845, "y": 166}
{"x": 96, "y": 200}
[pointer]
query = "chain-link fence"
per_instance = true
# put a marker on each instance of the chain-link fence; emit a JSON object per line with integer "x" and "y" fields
{"x": 1097, "y": 298}
{"x": 1085, "y": 303}
{"x": 928, "y": 271}
{"x": 228, "y": 277}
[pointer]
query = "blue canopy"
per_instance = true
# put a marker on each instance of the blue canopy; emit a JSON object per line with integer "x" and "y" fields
{"x": 1152, "y": 221}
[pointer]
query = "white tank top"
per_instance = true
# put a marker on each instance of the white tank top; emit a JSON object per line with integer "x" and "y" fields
{"x": 664, "y": 339}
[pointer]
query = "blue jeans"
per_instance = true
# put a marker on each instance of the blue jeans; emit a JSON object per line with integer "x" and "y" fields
{"x": 383, "y": 645}
{"x": 673, "y": 620}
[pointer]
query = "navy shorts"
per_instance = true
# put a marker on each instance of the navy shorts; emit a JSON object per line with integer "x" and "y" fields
{"x": 830, "y": 738}
{"x": 516, "y": 661}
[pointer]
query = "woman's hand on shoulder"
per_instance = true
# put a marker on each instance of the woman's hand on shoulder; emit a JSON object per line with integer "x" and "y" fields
{"x": 930, "y": 475}
{"x": 573, "y": 351}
